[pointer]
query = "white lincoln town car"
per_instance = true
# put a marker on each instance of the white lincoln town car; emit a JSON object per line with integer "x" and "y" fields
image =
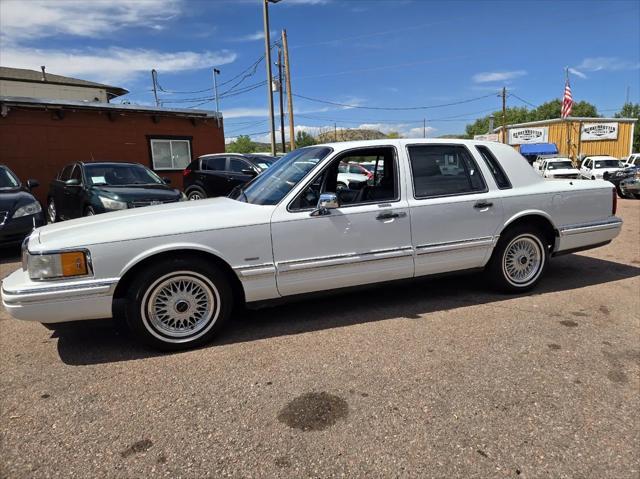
{"x": 175, "y": 272}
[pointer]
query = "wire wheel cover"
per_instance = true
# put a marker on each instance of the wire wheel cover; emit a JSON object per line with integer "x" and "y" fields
{"x": 522, "y": 260}
{"x": 181, "y": 305}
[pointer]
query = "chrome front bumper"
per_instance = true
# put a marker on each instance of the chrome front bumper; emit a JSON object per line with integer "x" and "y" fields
{"x": 55, "y": 302}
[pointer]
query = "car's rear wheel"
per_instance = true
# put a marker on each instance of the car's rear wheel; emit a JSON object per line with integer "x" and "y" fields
{"x": 196, "y": 194}
{"x": 52, "y": 211}
{"x": 519, "y": 259}
{"x": 178, "y": 304}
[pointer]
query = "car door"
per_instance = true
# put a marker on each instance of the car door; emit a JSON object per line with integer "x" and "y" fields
{"x": 366, "y": 239}
{"x": 238, "y": 172}
{"x": 454, "y": 217}
{"x": 56, "y": 189}
{"x": 585, "y": 168}
{"x": 72, "y": 196}
{"x": 213, "y": 176}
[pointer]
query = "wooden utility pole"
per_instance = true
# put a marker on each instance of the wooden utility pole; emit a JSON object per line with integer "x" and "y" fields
{"x": 504, "y": 115}
{"x": 267, "y": 57}
{"x": 284, "y": 146}
{"x": 424, "y": 128}
{"x": 155, "y": 81}
{"x": 287, "y": 75}
{"x": 566, "y": 72}
{"x": 335, "y": 132}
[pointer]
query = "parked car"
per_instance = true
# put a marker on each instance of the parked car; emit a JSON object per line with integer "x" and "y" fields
{"x": 595, "y": 167}
{"x": 218, "y": 174}
{"x": 87, "y": 189}
{"x": 178, "y": 271}
{"x": 349, "y": 177}
{"x": 631, "y": 160}
{"x": 20, "y": 212}
{"x": 630, "y": 187}
{"x": 557, "y": 168}
{"x": 618, "y": 176}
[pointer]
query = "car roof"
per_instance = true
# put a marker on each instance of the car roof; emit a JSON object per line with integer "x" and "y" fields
{"x": 109, "y": 163}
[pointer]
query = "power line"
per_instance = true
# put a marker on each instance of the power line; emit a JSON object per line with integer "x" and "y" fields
{"x": 523, "y": 100}
{"x": 460, "y": 102}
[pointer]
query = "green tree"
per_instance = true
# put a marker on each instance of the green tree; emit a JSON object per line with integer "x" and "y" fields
{"x": 632, "y": 110}
{"x": 304, "y": 139}
{"x": 243, "y": 144}
{"x": 394, "y": 134}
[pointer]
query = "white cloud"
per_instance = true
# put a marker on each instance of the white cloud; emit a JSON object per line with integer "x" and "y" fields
{"x": 111, "y": 65}
{"x": 243, "y": 112}
{"x": 251, "y": 37}
{"x": 595, "y": 64}
{"x": 485, "y": 77}
{"x": 577, "y": 73}
{"x": 26, "y": 20}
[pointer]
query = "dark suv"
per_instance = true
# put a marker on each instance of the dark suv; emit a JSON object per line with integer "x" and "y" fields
{"x": 85, "y": 189}
{"x": 217, "y": 175}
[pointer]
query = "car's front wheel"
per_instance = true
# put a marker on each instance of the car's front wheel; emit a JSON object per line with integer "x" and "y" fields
{"x": 178, "y": 304}
{"x": 196, "y": 194}
{"x": 519, "y": 259}
{"x": 52, "y": 211}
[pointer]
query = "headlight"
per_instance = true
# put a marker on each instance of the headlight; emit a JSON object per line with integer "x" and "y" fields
{"x": 57, "y": 265}
{"x": 28, "y": 210}
{"x": 110, "y": 204}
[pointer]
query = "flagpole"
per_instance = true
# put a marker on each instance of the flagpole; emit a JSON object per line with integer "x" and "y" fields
{"x": 566, "y": 71}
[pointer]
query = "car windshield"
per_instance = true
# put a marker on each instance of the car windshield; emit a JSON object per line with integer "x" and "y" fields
{"x": 272, "y": 185}
{"x": 607, "y": 163}
{"x": 559, "y": 165}
{"x": 8, "y": 179}
{"x": 119, "y": 175}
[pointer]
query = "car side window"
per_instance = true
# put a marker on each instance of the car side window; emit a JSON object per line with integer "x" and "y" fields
{"x": 236, "y": 165}
{"x": 76, "y": 174}
{"x": 65, "y": 174}
{"x": 383, "y": 187}
{"x": 496, "y": 170}
{"x": 444, "y": 170}
{"x": 215, "y": 163}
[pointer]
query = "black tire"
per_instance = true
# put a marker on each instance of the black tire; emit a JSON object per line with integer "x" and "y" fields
{"x": 341, "y": 186}
{"x": 636, "y": 196}
{"x": 619, "y": 191}
{"x": 52, "y": 211}
{"x": 497, "y": 268}
{"x": 89, "y": 211}
{"x": 149, "y": 323}
{"x": 196, "y": 193}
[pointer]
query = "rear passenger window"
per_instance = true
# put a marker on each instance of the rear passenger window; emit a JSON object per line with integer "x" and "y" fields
{"x": 442, "y": 170}
{"x": 494, "y": 166}
{"x": 216, "y": 163}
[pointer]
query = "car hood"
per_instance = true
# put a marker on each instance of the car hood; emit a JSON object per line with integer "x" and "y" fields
{"x": 137, "y": 192}
{"x": 602, "y": 171}
{"x": 563, "y": 171}
{"x": 160, "y": 220}
{"x": 14, "y": 198}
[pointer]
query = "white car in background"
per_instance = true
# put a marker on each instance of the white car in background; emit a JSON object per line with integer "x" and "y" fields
{"x": 558, "y": 168}
{"x": 631, "y": 160}
{"x": 348, "y": 176}
{"x": 598, "y": 167}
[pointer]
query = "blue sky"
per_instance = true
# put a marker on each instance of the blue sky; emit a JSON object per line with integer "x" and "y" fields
{"x": 375, "y": 53}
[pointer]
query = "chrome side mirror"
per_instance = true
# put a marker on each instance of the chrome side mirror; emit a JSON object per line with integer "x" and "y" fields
{"x": 326, "y": 203}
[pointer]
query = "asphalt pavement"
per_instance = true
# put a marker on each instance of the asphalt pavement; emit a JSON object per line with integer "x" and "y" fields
{"x": 436, "y": 378}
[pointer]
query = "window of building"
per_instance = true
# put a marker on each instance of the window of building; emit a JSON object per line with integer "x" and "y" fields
{"x": 494, "y": 166}
{"x": 170, "y": 154}
{"x": 443, "y": 170}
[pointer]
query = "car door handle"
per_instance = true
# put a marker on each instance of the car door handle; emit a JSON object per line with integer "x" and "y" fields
{"x": 390, "y": 216}
{"x": 483, "y": 204}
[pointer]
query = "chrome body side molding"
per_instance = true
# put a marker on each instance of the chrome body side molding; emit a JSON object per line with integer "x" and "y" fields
{"x": 615, "y": 223}
{"x": 456, "y": 245}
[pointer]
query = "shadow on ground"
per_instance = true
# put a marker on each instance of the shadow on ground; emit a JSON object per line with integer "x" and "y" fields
{"x": 93, "y": 343}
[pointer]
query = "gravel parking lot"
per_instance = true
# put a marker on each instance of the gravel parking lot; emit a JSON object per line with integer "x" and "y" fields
{"x": 436, "y": 378}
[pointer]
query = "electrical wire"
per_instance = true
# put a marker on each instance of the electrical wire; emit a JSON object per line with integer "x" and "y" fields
{"x": 460, "y": 102}
{"x": 522, "y": 100}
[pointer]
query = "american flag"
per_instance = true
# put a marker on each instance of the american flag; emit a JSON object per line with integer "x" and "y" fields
{"x": 567, "y": 101}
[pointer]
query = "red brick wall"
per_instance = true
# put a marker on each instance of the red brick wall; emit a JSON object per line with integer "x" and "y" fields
{"x": 36, "y": 144}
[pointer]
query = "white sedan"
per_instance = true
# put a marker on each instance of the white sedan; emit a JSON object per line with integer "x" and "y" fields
{"x": 180, "y": 269}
